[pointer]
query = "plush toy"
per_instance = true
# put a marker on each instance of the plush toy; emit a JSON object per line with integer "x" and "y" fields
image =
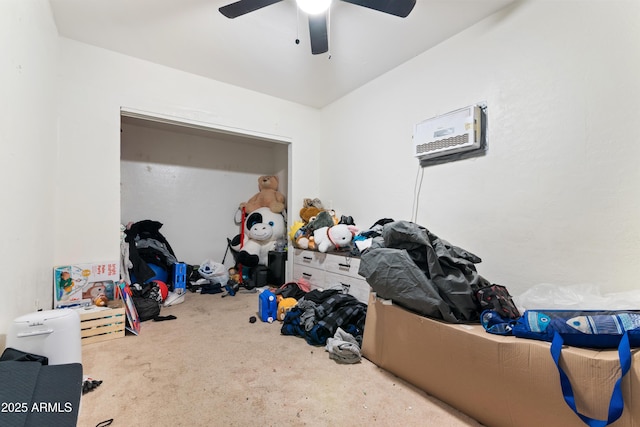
{"x": 284, "y": 305}
{"x": 323, "y": 219}
{"x": 268, "y": 197}
{"x": 299, "y": 236}
{"x": 308, "y": 214}
{"x": 304, "y": 238}
{"x": 317, "y": 203}
{"x": 234, "y": 274}
{"x": 293, "y": 230}
{"x": 262, "y": 229}
{"x": 338, "y": 236}
{"x": 334, "y": 217}
{"x": 304, "y": 241}
{"x": 310, "y": 209}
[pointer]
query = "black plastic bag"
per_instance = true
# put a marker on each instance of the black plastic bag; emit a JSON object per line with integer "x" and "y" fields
{"x": 147, "y": 301}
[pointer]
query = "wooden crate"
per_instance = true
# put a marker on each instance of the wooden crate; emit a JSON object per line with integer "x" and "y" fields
{"x": 100, "y": 324}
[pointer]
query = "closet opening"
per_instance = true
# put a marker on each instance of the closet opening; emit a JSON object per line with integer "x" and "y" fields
{"x": 192, "y": 176}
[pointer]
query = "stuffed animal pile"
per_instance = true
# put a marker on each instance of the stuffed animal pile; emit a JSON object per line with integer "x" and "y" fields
{"x": 320, "y": 229}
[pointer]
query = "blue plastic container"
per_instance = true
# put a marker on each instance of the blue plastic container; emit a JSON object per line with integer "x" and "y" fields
{"x": 267, "y": 306}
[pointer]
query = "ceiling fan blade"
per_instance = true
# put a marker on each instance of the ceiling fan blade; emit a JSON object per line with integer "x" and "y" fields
{"x": 242, "y": 7}
{"x": 318, "y": 33}
{"x": 401, "y": 8}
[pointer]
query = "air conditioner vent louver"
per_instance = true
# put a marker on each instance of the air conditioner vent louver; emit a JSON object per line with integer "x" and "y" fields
{"x": 443, "y": 143}
{"x": 450, "y": 133}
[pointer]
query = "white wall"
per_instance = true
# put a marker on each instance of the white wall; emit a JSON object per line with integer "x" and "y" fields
{"x": 29, "y": 46}
{"x": 193, "y": 182}
{"x": 97, "y": 83}
{"x": 557, "y": 198}
{"x": 62, "y": 204}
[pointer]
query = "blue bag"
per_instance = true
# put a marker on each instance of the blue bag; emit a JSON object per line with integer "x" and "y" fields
{"x": 590, "y": 328}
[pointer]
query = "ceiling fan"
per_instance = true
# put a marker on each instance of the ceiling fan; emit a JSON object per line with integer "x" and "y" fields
{"x": 317, "y": 11}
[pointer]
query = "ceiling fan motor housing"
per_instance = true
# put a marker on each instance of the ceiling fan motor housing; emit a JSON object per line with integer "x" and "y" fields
{"x": 318, "y": 11}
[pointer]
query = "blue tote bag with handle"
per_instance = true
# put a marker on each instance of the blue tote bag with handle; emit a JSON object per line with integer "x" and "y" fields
{"x": 588, "y": 328}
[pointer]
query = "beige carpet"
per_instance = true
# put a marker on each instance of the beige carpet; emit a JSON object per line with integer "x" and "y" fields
{"x": 211, "y": 367}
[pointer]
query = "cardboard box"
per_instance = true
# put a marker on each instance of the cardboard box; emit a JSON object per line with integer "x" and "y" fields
{"x": 77, "y": 285}
{"x": 497, "y": 380}
{"x": 102, "y": 323}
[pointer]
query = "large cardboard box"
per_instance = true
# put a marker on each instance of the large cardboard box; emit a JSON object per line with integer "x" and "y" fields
{"x": 497, "y": 380}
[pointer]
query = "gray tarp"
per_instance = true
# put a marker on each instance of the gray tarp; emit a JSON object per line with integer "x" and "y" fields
{"x": 421, "y": 272}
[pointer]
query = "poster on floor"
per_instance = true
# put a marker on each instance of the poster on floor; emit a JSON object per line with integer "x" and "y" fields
{"x": 133, "y": 321}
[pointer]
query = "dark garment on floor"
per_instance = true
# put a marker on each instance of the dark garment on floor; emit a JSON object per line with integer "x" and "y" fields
{"x": 336, "y": 310}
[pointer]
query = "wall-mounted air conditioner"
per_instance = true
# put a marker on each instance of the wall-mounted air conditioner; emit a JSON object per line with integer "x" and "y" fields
{"x": 449, "y": 133}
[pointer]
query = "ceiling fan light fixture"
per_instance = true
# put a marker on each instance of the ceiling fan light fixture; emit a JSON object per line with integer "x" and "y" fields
{"x": 314, "y": 7}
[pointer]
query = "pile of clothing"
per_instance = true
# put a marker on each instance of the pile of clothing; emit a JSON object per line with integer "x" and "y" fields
{"x": 146, "y": 254}
{"x": 423, "y": 273}
{"x": 329, "y": 317}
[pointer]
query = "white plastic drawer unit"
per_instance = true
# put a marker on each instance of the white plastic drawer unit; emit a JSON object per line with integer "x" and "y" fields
{"x": 330, "y": 270}
{"x": 309, "y": 258}
{"x": 343, "y": 265}
{"x": 359, "y": 288}
{"x": 315, "y": 276}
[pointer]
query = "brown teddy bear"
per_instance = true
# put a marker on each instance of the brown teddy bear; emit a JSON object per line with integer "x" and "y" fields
{"x": 268, "y": 197}
{"x": 309, "y": 214}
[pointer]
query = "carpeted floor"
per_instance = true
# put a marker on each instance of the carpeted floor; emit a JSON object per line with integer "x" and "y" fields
{"x": 212, "y": 367}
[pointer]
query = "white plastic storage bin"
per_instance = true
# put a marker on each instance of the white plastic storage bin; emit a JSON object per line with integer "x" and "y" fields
{"x": 51, "y": 333}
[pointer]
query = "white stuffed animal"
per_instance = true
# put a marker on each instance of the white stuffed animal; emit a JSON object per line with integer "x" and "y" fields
{"x": 262, "y": 229}
{"x": 338, "y": 236}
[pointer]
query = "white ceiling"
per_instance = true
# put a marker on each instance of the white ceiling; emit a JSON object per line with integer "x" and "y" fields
{"x": 257, "y": 51}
